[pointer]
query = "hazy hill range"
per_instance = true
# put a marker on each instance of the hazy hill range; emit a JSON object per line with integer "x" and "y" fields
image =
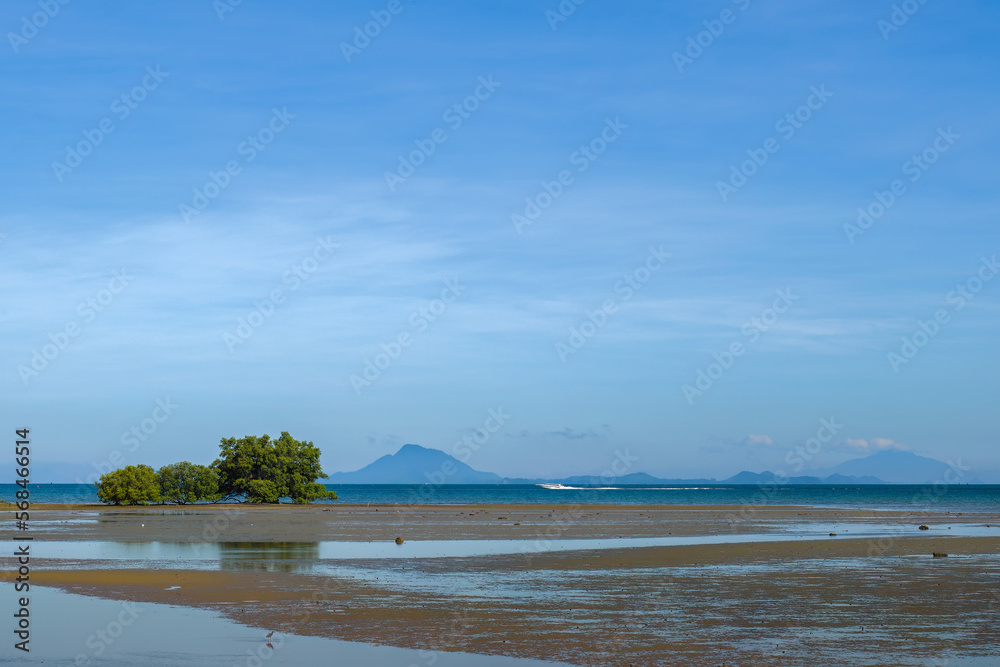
{"x": 414, "y": 464}
{"x": 768, "y": 477}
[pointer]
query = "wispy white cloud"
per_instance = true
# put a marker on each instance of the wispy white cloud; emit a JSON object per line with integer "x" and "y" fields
{"x": 757, "y": 441}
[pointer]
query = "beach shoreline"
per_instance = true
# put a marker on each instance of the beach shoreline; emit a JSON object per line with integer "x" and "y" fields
{"x": 686, "y": 604}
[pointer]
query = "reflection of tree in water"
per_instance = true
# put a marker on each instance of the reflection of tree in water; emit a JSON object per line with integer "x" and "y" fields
{"x": 268, "y": 556}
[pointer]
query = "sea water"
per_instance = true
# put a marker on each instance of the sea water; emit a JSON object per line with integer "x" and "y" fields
{"x": 954, "y": 497}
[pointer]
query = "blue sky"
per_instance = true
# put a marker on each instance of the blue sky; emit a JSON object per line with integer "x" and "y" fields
{"x": 597, "y": 109}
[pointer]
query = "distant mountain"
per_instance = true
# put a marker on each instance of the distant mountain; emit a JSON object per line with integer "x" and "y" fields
{"x": 895, "y": 467}
{"x": 414, "y": 464}
{"x": 767, "y": 477}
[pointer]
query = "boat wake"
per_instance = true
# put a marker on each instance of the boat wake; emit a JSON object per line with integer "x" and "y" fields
{"x": 563, "y": 487}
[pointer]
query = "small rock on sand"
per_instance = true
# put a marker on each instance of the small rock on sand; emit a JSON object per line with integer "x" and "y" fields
{"x": 399, "y": 540}
{"x": 940, "y": 554}
{"x": 923, "y": 527}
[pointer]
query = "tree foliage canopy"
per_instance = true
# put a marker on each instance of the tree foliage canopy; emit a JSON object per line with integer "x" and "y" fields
{"x": 263, "y": 470}
{"x": 254, "y": 468}
{"x": 187, "y": 482}
{"x": 131, "y": 485}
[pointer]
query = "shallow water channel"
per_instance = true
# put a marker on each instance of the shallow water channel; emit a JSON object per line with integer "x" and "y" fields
{"x": 68, "y": 629}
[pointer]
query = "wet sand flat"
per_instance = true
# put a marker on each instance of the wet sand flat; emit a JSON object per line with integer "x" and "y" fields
{"x": 838, "y": 600}
{"x": 315, "y": 523}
